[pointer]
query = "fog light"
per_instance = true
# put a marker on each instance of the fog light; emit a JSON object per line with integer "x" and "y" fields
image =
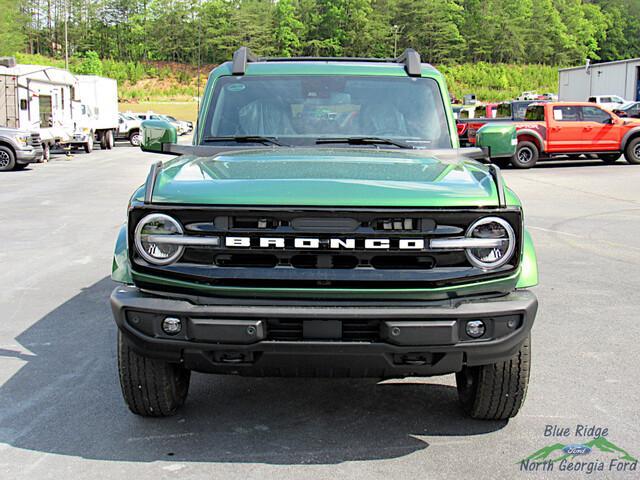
{"x": 171, "y": 325}
{"x": 475, "y": 328}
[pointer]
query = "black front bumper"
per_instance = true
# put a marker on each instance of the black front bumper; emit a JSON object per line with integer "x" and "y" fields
{"x": 380, "y": 340}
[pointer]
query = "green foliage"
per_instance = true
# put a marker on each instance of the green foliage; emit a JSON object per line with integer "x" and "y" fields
{"x": 12, "y": 39}
{"x": 550, "y": 32}
{"x": 496, "y": 82}
{"x": 287, "y": 28}
{"x": 89, "y": 64}
{"x": 493, "y": 48}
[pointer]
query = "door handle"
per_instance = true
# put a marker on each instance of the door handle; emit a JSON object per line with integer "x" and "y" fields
{"x": 587, "y": 129}
{"x": 555, "y": 129}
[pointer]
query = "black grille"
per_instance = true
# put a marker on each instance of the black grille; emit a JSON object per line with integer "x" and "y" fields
{"x": 291, "y": 330}
{"x": 36, "y": 141}
{"x": 324, "y": 266}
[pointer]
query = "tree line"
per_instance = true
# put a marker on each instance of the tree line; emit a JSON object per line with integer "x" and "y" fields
{"x": 552, "y": 32}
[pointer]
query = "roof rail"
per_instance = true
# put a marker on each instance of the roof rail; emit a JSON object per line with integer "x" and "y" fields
{"x": 410, "y": 58}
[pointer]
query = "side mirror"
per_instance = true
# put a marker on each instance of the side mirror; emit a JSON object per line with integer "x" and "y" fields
{"x": 608, "y": 121}
{"x": 156, "y": 134}
{"x": 499, "y": 139}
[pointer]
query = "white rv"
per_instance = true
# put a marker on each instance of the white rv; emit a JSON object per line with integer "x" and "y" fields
{"x": 38, "y": 99}
{"x": 96, "y": 114}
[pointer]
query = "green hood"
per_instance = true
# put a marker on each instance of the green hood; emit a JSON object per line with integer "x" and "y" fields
{"x": 327, "y": 177}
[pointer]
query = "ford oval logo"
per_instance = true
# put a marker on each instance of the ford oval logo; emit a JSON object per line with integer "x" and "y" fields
{"x": 576, "y": 449}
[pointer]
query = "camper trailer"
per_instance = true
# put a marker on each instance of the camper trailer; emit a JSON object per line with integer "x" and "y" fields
{"x": 96, "y": 114}
{"x": 38, "y": 99}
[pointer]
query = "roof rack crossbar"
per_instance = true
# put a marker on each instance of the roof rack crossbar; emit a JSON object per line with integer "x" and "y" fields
{"x": 241, "y": 57}
{"x": 410, "y": 58}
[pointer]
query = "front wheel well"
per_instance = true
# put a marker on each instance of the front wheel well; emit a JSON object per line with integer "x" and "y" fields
{"x": 631, "y": 137}
{"x": 9, "y": 146}
{"x": 525, "y": 137}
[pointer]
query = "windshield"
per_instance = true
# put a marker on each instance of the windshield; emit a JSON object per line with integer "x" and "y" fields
{"x": 299, "y": 110}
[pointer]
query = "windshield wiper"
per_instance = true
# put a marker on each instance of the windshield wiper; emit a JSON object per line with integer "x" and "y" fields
{"x": 247, "y": 139}
{"x": 365, "y": 141}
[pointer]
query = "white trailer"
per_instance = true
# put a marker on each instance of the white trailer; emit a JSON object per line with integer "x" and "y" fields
{"x": 97, "y": 112}
{"x": 38, "y": 99}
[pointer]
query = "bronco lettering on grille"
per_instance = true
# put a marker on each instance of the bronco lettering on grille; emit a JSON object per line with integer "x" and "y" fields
{"x": 310, "y": 243}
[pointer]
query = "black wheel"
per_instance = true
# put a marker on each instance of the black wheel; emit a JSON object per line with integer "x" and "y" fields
{"x": 497, "y": 391}
{"x": 88, "y": 147}
{"x": 632, "y": 152}
{"x": 103, "y": 140}
{"x": 150, "y": 387}
{"x": 7, "y": 159}
{"x": 109, "y": 139}
{"x": 526, "y": 156}
{"x": 134, "y": 138}
{"x": 46, "y": 152}
{"x": 609, "y": 159}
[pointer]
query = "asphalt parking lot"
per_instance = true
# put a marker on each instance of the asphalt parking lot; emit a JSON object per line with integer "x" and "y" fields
{"x": 62, "y": 415}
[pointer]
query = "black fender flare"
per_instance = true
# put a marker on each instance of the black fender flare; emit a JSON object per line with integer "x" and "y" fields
{"x": 635, "y": 131}
{"x": 534, "y": 134}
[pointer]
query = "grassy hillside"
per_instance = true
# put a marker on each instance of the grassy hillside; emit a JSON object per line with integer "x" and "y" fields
{"x": 174, "y": 82}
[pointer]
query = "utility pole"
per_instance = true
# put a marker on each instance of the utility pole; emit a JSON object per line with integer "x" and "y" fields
{"x": 66, "y": 35}
{"x": 396, "y": 29}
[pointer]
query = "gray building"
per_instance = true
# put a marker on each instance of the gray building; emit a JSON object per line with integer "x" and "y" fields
{"x": 611, "y": 78}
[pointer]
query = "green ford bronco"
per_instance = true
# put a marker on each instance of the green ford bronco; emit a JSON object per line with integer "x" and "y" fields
{"x": 325, "y": 222}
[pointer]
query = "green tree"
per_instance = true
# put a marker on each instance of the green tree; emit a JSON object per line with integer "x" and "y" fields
{"x": 288, "y": 29}
{"x": 12, "y": 38}
{"x": 547, "y": 40}
{"x": 432, "y": 28}
{"x": 90, "y": 64}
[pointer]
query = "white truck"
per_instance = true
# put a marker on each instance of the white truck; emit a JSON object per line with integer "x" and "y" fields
{"x": 38, "y": 99}
{"x": 96, "y": 114}
{"x": 129, "y": 128}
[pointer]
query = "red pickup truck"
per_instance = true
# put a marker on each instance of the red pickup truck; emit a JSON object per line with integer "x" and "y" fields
{"x": 571, "y": 129}
{"x": 491, "y": 113}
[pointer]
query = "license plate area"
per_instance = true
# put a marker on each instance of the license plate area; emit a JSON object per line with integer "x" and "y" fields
{"x": 321, "y": 329}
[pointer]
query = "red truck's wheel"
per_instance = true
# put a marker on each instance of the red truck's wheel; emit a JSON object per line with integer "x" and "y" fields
{"x": 632, "y": 152}
{"x": 526, "y": 156}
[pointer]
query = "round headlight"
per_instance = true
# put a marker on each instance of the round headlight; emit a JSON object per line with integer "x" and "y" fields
{"x": 148, "y": 239}
{"x": 492, "y": 228}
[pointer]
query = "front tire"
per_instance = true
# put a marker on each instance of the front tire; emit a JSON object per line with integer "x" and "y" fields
{"x": 109, "y": 141}
{"x": 7, "y": 159}
{"x": 151, "y": 387}
{"x": 632, "y": 152}
{"x": 88, "y": 147}
{"x": 496, "y": 391}
{"x": 134, "y": 138}
{"x": 526, "y": 156}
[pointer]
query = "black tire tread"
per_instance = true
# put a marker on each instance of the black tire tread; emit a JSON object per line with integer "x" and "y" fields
{"x": 150, "y": 387}
{"x": 536, "y": 151}
{"x": 628, "y": 151}
{"x": 501, "y": 387}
